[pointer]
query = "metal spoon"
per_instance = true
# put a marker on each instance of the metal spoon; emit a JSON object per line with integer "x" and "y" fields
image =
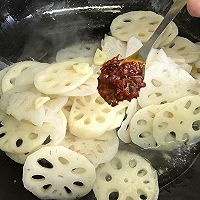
{"x": 143, "y": 52}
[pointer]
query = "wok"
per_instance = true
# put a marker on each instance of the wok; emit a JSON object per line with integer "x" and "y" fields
{"x": 37, "y": 29}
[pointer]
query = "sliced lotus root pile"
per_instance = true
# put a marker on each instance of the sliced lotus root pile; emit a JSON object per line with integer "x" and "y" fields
{"x": 81, "y": 49}
{"x": 123, "y": 131}
{"x": 113, "y": 47}
{"x": 22, "y": 137}
{"x": 181, "y": 46}
{"x": 165, "y": 83}
{"x": 141, "y": 126}
{"x": 58, "y": 173}
{"x": 61, "y": 78}
{"x": 8, "y": 81}
{"x": 20, "y": 103}
{"x": 178, "y": 122}
{"x": 127, "y": 176}
{"x": 98, "y": 150}
{"x": 90, "y": 116}
{"x": 140, "y": 24}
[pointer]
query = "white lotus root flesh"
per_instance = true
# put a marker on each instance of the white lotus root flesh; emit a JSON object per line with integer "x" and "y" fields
{"x": 126, "y": 176}
{"x": 58, "y": 173}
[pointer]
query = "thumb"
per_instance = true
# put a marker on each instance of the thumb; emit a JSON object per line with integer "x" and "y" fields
{"x": 193, "y": 7}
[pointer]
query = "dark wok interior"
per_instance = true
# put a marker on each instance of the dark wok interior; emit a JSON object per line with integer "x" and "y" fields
{"x": 36, "y": 29}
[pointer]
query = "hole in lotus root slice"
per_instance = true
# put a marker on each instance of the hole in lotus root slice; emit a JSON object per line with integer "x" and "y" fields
{"x": 78, "y": 170}
{"x": 193, "y": 92}
{"x": 116, "y": 163}
{"x": 108, "y": 178}
{"x": 114, "y": 195}
{"x": 171, "y": 45}
{"x": 152, "y": 30}
{"x": 47, "y": 140}
{"x": 142, "y": 195}
{"x": 100, "y": 119}
{"x": 99, "y": 100}
{"x": 170, "y": 137}
{"x": 154, "y": 22}
{"x": 87, "y": 121}
{"x": 106, "y": 110}
{"x": 154, "y": 95}
{"x": 79, "y": 116}
{"x": 142, "y": 172}
{"x": 2, "y": 135}
{"x": 196, "y": 125}
{"x": 127, "y": 20}
{"x": 168, "y": 114}
{"x": 181, "y": 49}
{"x": 163, "y": 125}
{"x": 78, "y": 183}
{"x": 87, "y": 98}
{"x": 145, "y": 134}
{"x": 19, "y": 142}
{"x": 196, "y": 110}
{"x": 33, "y": 136}
{"x": 105, "y": 176}
{"x": 99, "y": 149}
{"x": 146, "y": 182}
{"x": 64, "y": 161}
{"x": 156, "y": 83}
{"x": 151, "y": 114}
{"x": 188, "y": 104}
{"x": 129, "y": 198}
{"x": 163, "y": 102}
{"x": 47, "y": 187}
{"x": 185, "y": 138}
{"x": 173, "y": 134}
{"x": 141, "y": 34}
{"x": 142, "y": 122}
{"x": 38, "y": 177}
{"x": 45, "y": 163}
{"x": 132, "y": 163}
{"x": 67, "y": 190}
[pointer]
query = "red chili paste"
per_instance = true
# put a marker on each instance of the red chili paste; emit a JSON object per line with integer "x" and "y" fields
{"x": 120, "y": 80}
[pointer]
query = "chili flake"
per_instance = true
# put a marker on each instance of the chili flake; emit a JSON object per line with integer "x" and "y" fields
{"x": 120, "y": 80}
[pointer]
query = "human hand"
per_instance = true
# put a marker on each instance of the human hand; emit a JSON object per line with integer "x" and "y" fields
{"x": 193, "y": 7}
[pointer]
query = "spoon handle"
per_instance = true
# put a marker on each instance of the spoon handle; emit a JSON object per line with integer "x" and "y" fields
{"x": 172, "y": 13}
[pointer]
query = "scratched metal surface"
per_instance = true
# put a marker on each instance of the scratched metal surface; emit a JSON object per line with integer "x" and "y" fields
{"x": 37, "y": 29}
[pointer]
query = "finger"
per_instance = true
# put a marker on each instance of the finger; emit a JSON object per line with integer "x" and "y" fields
{"x": 193, "y": 7}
